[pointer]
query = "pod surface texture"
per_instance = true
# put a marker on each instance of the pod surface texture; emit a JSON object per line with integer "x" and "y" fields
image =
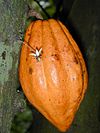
{"x": 52, "y": 71}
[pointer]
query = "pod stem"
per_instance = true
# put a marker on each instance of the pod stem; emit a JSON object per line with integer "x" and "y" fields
{"x": 48, "y": 16}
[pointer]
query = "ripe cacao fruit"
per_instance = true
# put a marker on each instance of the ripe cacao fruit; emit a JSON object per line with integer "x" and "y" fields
{"x": 52, "y": 71}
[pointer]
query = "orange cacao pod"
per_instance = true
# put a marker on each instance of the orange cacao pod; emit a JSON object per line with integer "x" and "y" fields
{"x": 52, "y": 71}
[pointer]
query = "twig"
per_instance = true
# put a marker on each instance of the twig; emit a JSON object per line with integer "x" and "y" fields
{"x": 43, "y": 9}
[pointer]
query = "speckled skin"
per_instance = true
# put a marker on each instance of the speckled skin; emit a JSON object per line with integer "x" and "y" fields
{"x": 55, "y": 84}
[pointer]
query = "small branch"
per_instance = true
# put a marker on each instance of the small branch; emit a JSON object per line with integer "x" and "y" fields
{"x": 43, "y": 9}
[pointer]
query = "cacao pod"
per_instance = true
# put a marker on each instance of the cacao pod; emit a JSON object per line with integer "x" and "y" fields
{"x": 52, "y": 71}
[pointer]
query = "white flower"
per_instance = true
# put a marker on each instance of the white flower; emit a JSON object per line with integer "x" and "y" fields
{"x": 37, "y": 54}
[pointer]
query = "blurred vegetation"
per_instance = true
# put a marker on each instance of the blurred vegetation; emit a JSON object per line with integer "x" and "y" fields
{"x": 47, "y": 5}
{"x": 22, "y": 121}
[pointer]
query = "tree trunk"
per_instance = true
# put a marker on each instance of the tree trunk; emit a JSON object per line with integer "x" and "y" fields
{"x": 12, "y": 23}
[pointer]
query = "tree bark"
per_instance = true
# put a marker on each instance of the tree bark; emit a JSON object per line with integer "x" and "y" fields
{"x": 12, "y": 24}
